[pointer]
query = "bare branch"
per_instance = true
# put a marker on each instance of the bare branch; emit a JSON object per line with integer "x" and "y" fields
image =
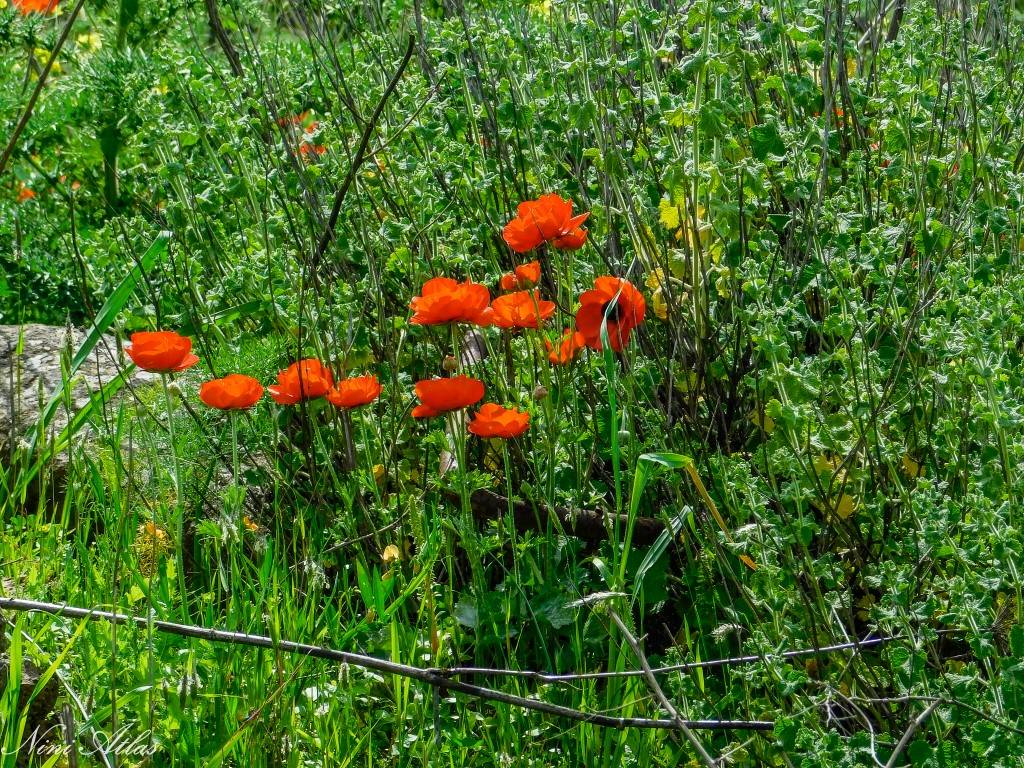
{"x": 427, "y": 676}
{"x": 548, "y": 677}
{"x": 589, "y": 525}
{"x": 357, "y": 160}
{"x": 39, "y": 85}
{"x": 652, "y": 683}
{"x": 911, "y": 730}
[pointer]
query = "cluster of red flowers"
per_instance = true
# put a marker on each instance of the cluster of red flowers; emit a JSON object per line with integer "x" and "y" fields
{"x": 308, "y": 148}
{"x": 548, "y": 219}
{"x": 613, "y": 303}
{"x": 168, "y": 352}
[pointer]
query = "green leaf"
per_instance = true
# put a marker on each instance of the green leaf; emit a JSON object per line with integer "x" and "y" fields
{"x": 765, "y": 140}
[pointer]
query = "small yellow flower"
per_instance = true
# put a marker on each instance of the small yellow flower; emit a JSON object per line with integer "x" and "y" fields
{"x": 391, "y": 554}
{"x": 842, "y": 507}
{"x": 541, "y": 7}
{"x": 764, "y": 421}
{"x": 846, "y": 506}
{"x": 151, "y": 544}
{"x": 674, "y": 217}
{"x": 656, "y": 279}
{"x": 912, "y": 468}
{"x": 90, "y": 41}
{"x": 42, "y": 54}
{"x": 378, "y": 473}
{"x": 660, "y": 305}
{"x": 825, "y": 465}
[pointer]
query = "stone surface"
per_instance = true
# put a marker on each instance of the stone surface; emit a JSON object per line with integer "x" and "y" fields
{"x": 29, "y": 379}
{"x": 42, "y": 717}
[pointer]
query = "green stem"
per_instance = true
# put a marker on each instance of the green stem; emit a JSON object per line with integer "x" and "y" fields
{"x": 235, "y": 472}
{"x": 179, "y": 501}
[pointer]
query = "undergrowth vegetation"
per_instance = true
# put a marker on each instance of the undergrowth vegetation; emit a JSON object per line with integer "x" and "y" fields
{"x": 766, "y": 398}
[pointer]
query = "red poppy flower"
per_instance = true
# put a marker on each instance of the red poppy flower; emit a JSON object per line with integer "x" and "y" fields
{"x": 308, "y": 148}
{"x": 354, "y": 392}
{"x": 233, "y": 392}
{"x": 445, "y": 301}
{"x": 547, "y": 219}
{"x": 35, "y": 6}
{"x": 572, "y": 241}
{"x": 617, "y": 299}
{"x": 522, "y": 309}
{"x": 570, "y": 343}
{"x": 439, "y": 396}
{"x": 305, "y": 380}
{"x": 524, "y": 276}
{"x": 494, "y": 421}
{"x": 298, "y": 119}
{"x": 25, "y": 193}
{"x": 161, "y": 351}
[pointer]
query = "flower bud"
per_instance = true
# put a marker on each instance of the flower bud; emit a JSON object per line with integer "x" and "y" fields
{"x": 540, "y": 393}
{"x": 450, "y": 364}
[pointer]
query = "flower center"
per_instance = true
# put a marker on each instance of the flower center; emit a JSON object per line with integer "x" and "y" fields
{"x": 613, "y": 313}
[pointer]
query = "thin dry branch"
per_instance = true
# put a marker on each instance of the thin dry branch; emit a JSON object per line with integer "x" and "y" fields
{"x": 27, "y": 113}
{"x": 551, "y": 677}
{"x": 911, "y": 730}
{"x": 427, "y": 676}
{"x": 589, "y": 525}
{"x": 659, "y": 694}
{"x": 357, "y": 160}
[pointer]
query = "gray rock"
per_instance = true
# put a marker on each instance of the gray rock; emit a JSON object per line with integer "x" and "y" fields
{"x": 41, "y": 719}
{"x": 28, "y": 380}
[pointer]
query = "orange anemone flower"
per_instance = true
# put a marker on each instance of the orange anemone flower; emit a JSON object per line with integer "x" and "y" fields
{"x": 25, "y": 193}
{"x": 494, "y": 421}
{"x": 617, "y": 299}
{"x": 234, "y": 392}
{"x": 308, "y": 148}
{"x": 445, "y": 301}
{"x": 547, "y": 219}
{"x": 439, "y": 396}
{"x": 570, "y": 343}
{"x": 354, "y": 392}
{"x": 522, "y": 309}
{"x": 35, "y": 6}
{"x": 524, "y": 276}
{"x": 161, "y": 351}
{"x": 298, "y": 119}
{"x": 305, "y": 380}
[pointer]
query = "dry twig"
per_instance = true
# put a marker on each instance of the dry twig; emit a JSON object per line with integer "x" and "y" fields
{"x": 427, "y": 676}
